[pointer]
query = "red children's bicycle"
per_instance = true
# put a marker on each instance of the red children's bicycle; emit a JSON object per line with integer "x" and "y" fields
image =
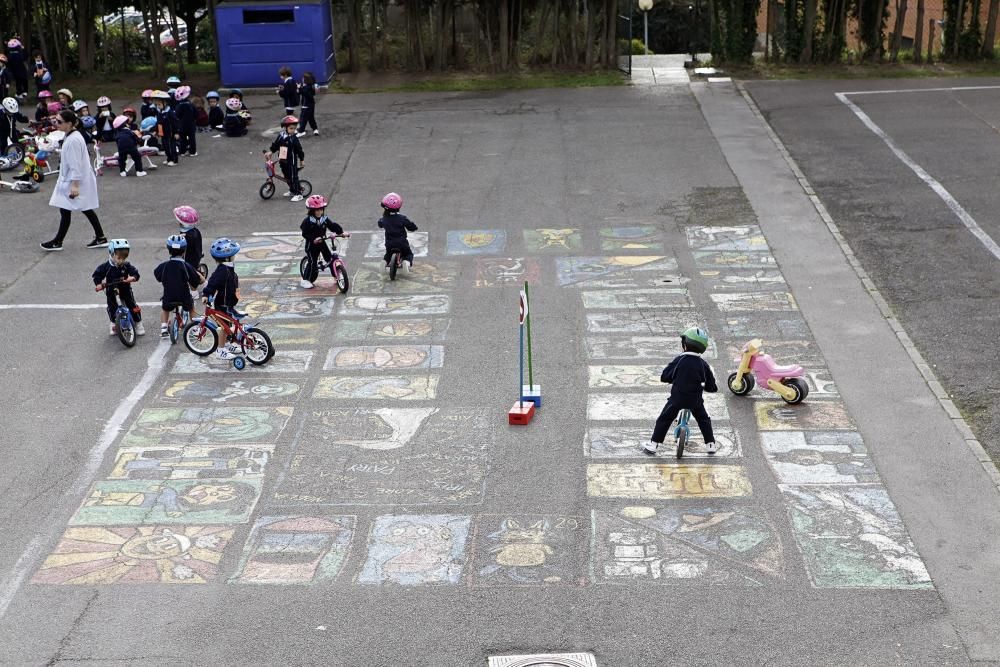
{"x": 202, "y": 334}
{"x": 267, "y": 189}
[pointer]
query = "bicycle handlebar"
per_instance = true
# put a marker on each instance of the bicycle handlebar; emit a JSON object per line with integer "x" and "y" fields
{"x": 102, "y": 286}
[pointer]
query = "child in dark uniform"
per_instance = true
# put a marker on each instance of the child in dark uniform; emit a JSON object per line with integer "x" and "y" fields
{"x": 215, "y": 113}
{"x": 690, "y": 376}
{"x": 128, "y": 147}
{"x": 186, "y": 126}
{"x": 314, "y": 228}
{"x": 307, "y": 90}
{"x": 290, "y": 155}
{"x": 148, "y": 108}
{"x": 166, "y": 121}
{"x": 396, "y": 225}
{"x": 224, "y": 287}
{"x": 233, "y": 122}
{"x": 178, "y": 278}
{"x": 118, "y": 273}
{"x": 187, "y": 217}
{"x": 288, "y": 91}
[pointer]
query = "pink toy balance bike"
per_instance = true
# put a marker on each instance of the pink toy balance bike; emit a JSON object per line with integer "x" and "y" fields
{"x": 755, "y": 366}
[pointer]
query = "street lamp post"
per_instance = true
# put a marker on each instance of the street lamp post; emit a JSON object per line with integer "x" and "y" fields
{"x": 644, "y": 7}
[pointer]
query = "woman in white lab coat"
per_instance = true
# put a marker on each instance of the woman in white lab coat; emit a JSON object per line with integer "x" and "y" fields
{"x": 76, "y": 189}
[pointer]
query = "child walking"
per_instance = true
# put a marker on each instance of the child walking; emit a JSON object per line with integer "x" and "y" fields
{"x": 290, "y": 155}
{"x": 118, "y": 273}
{"x": 314, "y": 228}
{"x": 396, "y": 225}
{"x": 288, "y": 91}
{"x": 690, "y": 376}
{"x": 178, "y": 278}
{"x": 307, "y": 90}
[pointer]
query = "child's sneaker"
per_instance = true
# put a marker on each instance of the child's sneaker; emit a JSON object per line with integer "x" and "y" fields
{"x": 407, "y": 264}
{"x": 139, "y": 329}
{"x": 300, "y": 134}
{"x": 192, "y": 154}
{"x": 122, "y": 174}
{"x": 650, "y": 448}
{"x": 297, "y": 198}
{"x": 164, "y": 332}
{"x": 224, "y": 353}
{"x": 287, "y": 194}
{"x": 305, "y": 284}
{"x": 315, "y": 133}
{"x": 140, "y": 173}
{"x": 711, "y": 447}
{"x": 114, "y": 330}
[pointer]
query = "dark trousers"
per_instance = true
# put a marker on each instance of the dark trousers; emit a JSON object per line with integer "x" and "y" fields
{"x": 307, "y": 117}
{"x": 21, "y": 80}
{"x": 128, "y": 298}
{"x": 404, "y": 249}
{"x": 170, "y": 147}
{"x": 670, "y": 412}
{"x": 64, "y": 220}
{"x": 129, "y": 153}
{"x": 314, "y": 250}
{"x": 188, "y": 143}
{"x": 290, "y": 170}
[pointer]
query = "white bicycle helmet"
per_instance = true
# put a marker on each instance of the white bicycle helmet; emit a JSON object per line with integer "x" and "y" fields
{"x": 79, "y": 104}
{"x": 10, "y": 105}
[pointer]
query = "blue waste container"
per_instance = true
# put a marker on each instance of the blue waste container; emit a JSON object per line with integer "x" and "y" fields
{"x": 256, "y": 38}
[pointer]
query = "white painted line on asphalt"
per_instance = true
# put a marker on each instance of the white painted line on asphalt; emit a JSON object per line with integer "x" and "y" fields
{"x": 931, "y": 182}
{"x": 916, "y": 90}
{"x": 32, "y": 553}
{"x": 64, "y": 306}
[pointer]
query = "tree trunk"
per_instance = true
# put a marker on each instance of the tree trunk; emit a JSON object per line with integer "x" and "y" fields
{"x": 930, "y": 41}
{"x": 918, "y": 37}
{"x": 959, "y": 29}
{"x": 574, "y": 24}
{"x": 990, "y": 36}
{"x": 610, "y": 23}
{"x": 85, "y": 35}
{"x": 419, "y": 42}
{"x": 150, "y": 25}
{"x": 440, "y": 27}
{"x": 808, "y": 28}
{"x": 353, "y": 10}
{"x": 897, "y": 31}
{"x": 192, "y": 35}
{"x": 57, "y": 28}
{"x": 504, "y": 19}
{"x": 215, "y": 37}
{"x": 876, "y": 54}
{"x": 589, "y": 35}
{"x": 541, "y": 21}
{"x": 176, "y": 33}
{"x": 383, "y": 53}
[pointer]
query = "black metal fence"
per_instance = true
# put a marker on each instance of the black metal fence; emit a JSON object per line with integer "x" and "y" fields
{"x": 623, "y": 40}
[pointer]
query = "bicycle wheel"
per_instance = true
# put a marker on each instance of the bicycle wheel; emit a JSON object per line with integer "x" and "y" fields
{"x": 340, "y": 275}
{"x": 257, "y": 346}
{"x": 174, "y": 328}
{"x": 304, "y": 268}
{"x": 393, "y": 265}
{"x": 682, "y": 438}
{"x": 200, "y": 338}
{"x": 126, "y": 330}
{"x": 305, "y": 188}
{"x": 267, "y": 190}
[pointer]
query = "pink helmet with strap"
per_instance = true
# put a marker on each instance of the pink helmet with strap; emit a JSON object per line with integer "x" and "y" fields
{"x": 186, "y": 216}
{"x": 14, "y": 43}
{"x": 147, "y": 93}
{"x": 119, "y": 121}
{"x": 182, "y": 93}
{"x": 42, "y": 94}
{"x": 234, "y": 104}
{"x": 392, "y": 202}
{"x": 54, "y": 107}
{"x": 316, "y": 201}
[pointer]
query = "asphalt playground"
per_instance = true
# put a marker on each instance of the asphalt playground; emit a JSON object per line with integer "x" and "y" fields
{"x": 361, "y": 500}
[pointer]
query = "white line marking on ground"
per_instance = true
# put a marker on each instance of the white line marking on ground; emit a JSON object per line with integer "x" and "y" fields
{"x": 95, "y": 457}
{"x": 931, "y": 182}
{"x": 64, "y": 306}
{"x": 916, "y": 90}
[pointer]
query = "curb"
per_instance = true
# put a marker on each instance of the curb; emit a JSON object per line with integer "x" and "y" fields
{"x": 918, "y": 360}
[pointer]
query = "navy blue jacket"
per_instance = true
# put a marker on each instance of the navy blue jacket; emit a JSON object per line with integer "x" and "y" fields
{"x": 233, "y": 124}
{"x": 308, "y": 92}
{"x": 147, "y": 109}
{"x": 690, "y": 375}
{"x": 167, "y": 119}
{"x": 223, "y": 285}
{"x": 396, "y": 225}
{"x": 312, "y": 228}
{"x": 291, "y": 142}
{"x": 126, "y": 140}
{"x": 289, "y": 93}
{"x": 194, "y": 252}
{"x": 176, "y": 275}
{"x": 185, "y": 114}
{"x": 108, "y": 272}
{"x": 216, "y": 116}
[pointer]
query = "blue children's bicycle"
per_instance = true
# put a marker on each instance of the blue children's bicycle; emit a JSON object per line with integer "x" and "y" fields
{"x": 682, "y": 432}
{"x": 124, "y": 324}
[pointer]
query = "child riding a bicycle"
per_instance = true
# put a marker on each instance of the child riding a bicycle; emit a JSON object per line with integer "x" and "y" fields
{"x": 314, "y": 230}
{"x": 178, "y": 278}
{"x": 396, "y": 225}
{"x": 118, "y": 274}
{"x": 690, "y": 376}
{"x": 223, "y": 287}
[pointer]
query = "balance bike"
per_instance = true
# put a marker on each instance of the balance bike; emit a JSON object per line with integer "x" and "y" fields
{"x": 755, "y": 366}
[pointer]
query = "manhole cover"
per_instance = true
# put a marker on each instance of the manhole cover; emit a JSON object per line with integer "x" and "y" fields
{"x": 544, "y": 660}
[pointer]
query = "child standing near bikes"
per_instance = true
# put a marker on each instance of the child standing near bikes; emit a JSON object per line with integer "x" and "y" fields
{"x": 178, "y": 278}
{"x": 187, "y": 217}
{"x": 291, "y": 157}
{"x": 128, "y": 147}
{"x": 223, "y": 287}
{"x": 396, "y": 225}
{"x": 690, "y": 376}
{"x": 118, "y": 273}
{"x": 314, "y": 228}
{"x": 167, "y": 130}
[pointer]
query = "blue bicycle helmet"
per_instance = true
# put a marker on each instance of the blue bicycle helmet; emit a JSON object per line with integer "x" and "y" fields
{"x": 236, "y": 91}
{"x": 117, "y": 244}
{"x": 173, "y": 80}
{"x": 89, "y": 122}
{"x": 176, "y": 242}
{"x": 147, "y": 123}
{"x": 224, "y": 248}
{"x": 212, "y": 95}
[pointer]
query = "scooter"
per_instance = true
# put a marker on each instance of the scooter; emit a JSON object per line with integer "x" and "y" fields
{"x": 755, "y": 366}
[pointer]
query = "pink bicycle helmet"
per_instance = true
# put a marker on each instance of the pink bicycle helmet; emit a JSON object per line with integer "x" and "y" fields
{"x": 289, "y": 120}
{"x": 44, "y": 93}
{"x": 147, "y": 93}
{"x": 182, "y": 93}
{"x": 13, "y": 44}
{"x": 119, "y": 121}
{"x": 186, "y": 215}
{"x": 392, "y": 202}
{"x": 316, "y": 201}
{"x": 54, "y": 108}
{"x": 234, "y": 104}
{"x": 103, "y": 101}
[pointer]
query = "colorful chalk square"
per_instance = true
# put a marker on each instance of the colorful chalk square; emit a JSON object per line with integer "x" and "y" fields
{"x": 660, "y": 349}
{"x": 477, "y": 241}
{"x": 530, "y": 550}
{"x": 754, "y": 301}
{"x": 853, "y": 537}
{"x": 618, "y": 375}
{"x": 818, "y": 457}
{"x": 746, "y": 280}
{"x": 651, "y": 321}
{"x": 296, "y": 549}
{"x": 168, "y": 501}
{"x": 712, "y": 259}
{"x": 204, "y": 426}
{"x": 621, "y": 271}
{"x": 284, "y": 362}
{"x": 550, "y": 240}
{"x": 670, "y": 546}
{"x": 416, "y": 550}
{"x": 644, "y": 406}
{"x": 806, "y": 416}
{"x": 433, "y": 328}
{"x": 231, "y": 392}
{"x": 418, "y": 304}
{"x": 666, "y": 481}
{"x": 388, "y": 456}
{"x": 272, "y": 248}
{"x": 98, "y": 555}
{"x": 293, "y": 333}
{"x": 422, "y": 277}
{"x": 274, "y": 269}
{"x": 505, "y": 271}
{"x": 736, "y": 238}
{"x": 625, "y": 442}
{"x": 418, "y": 244}
{"x": 784, "y": 326}
{"x": 640, "y": 238}
{"x": 399, "y": 388}
{"x": 191, "y": 462}
{"x": 666, "y": 297}
{"x": 378, "y": 357}
{"x": 289, "y": 307}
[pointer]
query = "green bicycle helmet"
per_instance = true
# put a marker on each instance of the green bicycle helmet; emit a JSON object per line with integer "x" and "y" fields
{"x": 695, "y": 339}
